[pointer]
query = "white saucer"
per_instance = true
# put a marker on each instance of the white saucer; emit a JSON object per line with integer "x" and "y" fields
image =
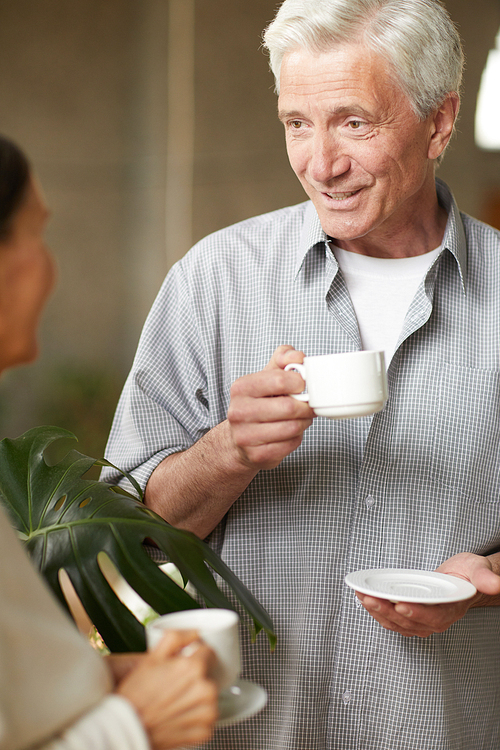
{"x": 419, "y": 586}
{"x": 239, "y": 702}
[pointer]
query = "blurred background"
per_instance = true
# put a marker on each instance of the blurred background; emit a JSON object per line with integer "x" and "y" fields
{"x": 151, "y": 123}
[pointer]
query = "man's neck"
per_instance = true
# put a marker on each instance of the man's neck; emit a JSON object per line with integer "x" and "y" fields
{"x": 414, "y": 238}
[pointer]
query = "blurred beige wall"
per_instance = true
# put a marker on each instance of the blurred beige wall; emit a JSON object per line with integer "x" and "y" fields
{"x": 150, "y": 124}
{"x": 471, "y": 172}
{"x": 83, "y": 88}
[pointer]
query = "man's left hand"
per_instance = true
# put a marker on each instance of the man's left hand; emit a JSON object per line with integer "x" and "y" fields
{"x": 423, "y": 620}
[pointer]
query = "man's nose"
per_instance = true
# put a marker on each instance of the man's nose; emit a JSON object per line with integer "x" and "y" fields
{"x": 328, "y": 158}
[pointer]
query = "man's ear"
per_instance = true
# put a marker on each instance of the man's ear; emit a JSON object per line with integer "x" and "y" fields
{"x": 443, "y": 122}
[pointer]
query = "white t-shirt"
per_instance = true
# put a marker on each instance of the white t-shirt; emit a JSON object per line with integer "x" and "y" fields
{"x": 381, "y": 291}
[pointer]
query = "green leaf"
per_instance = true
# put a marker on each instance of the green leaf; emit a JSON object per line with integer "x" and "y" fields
{"x": 66, "y": 521}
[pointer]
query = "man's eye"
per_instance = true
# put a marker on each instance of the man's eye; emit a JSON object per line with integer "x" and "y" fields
{"x": 355, "y": 124}
{"x": 295, "y": 124}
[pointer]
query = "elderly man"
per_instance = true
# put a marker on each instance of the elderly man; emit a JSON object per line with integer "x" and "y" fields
{"x": 378, "y": 258}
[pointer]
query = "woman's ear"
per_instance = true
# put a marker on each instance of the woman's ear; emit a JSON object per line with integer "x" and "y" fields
{"x": 443, "y": 122}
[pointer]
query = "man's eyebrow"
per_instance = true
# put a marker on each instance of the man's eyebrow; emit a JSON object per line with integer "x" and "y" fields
{"x": 289, "y": 114}
{"x": 341, "y": 111}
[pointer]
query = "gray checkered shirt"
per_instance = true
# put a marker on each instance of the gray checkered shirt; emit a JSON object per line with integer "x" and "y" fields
{"x": 409, "y": 487}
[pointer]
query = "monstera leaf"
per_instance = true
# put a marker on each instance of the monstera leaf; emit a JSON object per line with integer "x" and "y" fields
{"x": 66, "y": 521}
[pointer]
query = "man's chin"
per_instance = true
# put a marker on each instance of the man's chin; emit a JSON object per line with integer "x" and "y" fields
{"x": 341, "y": 234}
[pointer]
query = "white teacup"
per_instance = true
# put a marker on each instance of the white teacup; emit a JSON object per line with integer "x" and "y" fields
{"x": 218, "y": 628}
{"x": 340, "y": 386}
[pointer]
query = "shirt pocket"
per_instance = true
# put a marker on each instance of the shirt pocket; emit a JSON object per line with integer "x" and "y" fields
{"x": 466, "y": 449}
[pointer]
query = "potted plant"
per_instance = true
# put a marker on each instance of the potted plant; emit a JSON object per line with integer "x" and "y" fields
{"x": 66, "y": 520}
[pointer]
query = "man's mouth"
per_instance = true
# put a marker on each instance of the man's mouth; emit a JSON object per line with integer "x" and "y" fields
{"x": 340, "y": 196}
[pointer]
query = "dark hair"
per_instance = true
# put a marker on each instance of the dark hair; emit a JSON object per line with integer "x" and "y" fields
{"x": 14, "y": 179}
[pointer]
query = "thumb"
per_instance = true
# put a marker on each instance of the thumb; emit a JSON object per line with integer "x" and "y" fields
{"x": 172, "y": 643}
{"x": 484, "y": 579}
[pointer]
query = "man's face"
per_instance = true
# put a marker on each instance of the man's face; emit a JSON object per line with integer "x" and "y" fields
{"x": 358, "y": 149}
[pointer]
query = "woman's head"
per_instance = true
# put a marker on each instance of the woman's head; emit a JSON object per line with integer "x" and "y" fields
{"x": 14, "y": 182}
{"x": 27, "y": 271}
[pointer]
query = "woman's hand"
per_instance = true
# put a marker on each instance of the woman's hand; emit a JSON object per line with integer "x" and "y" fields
{"x": 120, "y": 665}
{"x": 172, "y": 694}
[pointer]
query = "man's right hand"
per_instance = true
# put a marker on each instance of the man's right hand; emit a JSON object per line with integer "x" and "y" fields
{"x": 195, "y": 488}
{"x": 266, "y": 424}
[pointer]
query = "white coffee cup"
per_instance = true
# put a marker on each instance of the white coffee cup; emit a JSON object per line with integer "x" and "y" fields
{"x": 344, "y": 385}
{"x": 218, "y": 628}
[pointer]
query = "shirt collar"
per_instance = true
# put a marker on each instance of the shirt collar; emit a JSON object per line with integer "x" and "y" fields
{"x": 454, "y": 240}
{"x": 311, "y": 236}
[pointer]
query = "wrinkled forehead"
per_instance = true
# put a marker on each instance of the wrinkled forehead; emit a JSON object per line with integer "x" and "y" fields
{"x": 347, "y": 73}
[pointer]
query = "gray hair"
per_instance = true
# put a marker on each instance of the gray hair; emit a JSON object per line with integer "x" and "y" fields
{"x": 416, "y": 37}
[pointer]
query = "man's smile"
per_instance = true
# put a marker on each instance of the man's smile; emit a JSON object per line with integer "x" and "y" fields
{"x": 341, "y": 196}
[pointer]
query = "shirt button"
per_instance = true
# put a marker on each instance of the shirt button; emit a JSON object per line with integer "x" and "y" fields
{"x": 370, "y": 501}
{"x": 347, "y": 697}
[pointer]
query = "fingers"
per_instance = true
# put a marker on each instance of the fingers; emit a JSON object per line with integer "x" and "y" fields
{"x": 259, "y": 423}
{"x": 272, "y": 380}
{"x": 266, "y": 383}
{"x": 424, "y": 620}
{"x": 186, "y": 644}
{"x": 200, "y": 695}
{"x": 486, "y": 581}
{"x": 187, "y": 726}
{"x": 411, "y": 619}
{"x": 173, "y": 696}
{"x": 189, "y": 717}
{"x": 481, "y": 571}
{"x": 482, "y": 576}
{"x": 262, "y": 444}
{"x": 201, "y": 654}
{"x": 285, "y": 355}
{"x": 408, "y": 619}
{"x": 266, "y": 423}
{"x": 172, "y": 643}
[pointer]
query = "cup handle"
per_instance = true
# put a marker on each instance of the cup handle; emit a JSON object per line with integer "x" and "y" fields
{"x": 302, "y": 371}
